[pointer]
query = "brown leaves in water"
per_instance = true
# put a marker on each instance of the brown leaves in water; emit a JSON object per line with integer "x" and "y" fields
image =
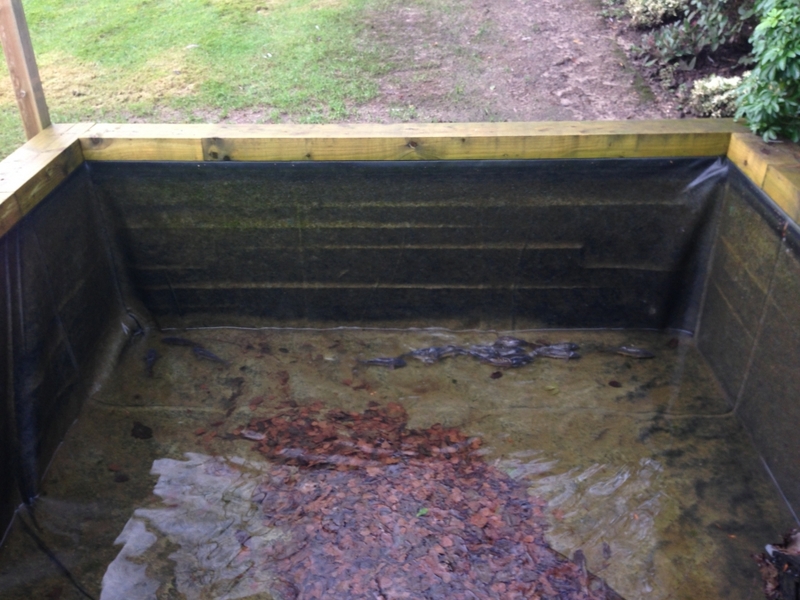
{"x": 780, "y": 567}
{"x": 376, "y": 437}
{"x": 390, "y": 512}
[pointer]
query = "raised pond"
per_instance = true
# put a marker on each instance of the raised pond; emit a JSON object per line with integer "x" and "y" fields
{"x": 214, "y": 328}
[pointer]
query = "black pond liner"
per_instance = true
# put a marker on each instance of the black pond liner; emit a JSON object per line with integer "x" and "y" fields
{"x": 594, "y": 243}
{"x": 120, "y": 247}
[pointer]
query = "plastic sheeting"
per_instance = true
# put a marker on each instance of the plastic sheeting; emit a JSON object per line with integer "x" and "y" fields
{"x": 486, "y": 245}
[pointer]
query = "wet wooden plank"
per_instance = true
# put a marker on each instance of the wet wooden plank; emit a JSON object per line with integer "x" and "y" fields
{"x": 754, "y": 156}
{"x": 782, "y": 184}
{"x": 48, "y": 170}
{"x": 24, "y": 163}
{"x": 409, "y": 141}
{"x": 27, "y": 85}
{"x": 773, "y": 167}
{"x": 145, "y": 141}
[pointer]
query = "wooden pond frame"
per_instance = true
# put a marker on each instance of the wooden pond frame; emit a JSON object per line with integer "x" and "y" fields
{"x": 54, "y": 151}
{"x": 37, "y": 167}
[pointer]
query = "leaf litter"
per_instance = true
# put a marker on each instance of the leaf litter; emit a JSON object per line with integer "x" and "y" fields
{"x": 370, "y": 508}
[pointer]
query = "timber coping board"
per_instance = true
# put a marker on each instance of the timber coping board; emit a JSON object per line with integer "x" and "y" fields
{"x": 36, "y": 168}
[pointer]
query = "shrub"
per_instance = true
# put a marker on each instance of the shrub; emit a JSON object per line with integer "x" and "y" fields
{"x": 770, "y": 97}
{"x": 647, "y": 13}
{"x": 708, "y": 25}
{"x": 714, "y": 96}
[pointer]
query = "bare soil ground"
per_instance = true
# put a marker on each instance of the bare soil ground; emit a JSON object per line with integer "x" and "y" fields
{"x": 500, "y": 60}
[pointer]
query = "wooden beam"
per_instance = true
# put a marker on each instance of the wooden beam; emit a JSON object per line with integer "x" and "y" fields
{"x": 27, "y": 85}
{"x": 410, "y": 141}
{"x": 32, "y": 171}
{"x": 35, "y": 169}
{"x": 782, "y": 184}
{"x": 754, "y": 156}
{"x": 9, "y": 212}
{"x": 773, "y": 167}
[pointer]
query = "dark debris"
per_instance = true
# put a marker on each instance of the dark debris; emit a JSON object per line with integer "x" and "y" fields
{"x": 371, "y": 509}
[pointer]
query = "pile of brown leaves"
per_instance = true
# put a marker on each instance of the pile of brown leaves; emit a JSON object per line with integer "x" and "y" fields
{"x": 374, "y": 510}
{"x": 374, "y": 438}
{"x": 780, "y": 567}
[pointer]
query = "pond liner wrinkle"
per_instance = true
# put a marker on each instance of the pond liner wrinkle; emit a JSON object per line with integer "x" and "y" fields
{"x": 500, "y": 244}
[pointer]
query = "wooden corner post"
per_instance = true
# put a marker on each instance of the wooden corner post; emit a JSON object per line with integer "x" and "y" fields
{"x": 16, "y": 42}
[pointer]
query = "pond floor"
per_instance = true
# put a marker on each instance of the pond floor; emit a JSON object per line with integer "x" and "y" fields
{"x": 295, "y": 470}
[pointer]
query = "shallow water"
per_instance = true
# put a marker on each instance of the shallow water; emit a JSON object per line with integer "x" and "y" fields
{"x": 641, "y": 463}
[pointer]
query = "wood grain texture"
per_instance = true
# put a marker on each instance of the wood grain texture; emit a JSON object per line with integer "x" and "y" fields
{"x": 9, "y": 212}
{"x": 145, "y": 142}
{"x": 52, "y": 167}
{"x": 27, "y": 85}
{"x": 782, "y": 184}
{"x": 773, "y": 167}
{"x": 754, "y": 156}
{"x": 36, "y": 168}
{"x": 409, "y": 141}
{"x": 13, "y": 169}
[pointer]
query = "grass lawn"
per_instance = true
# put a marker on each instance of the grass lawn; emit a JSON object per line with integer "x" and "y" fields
{"x": 197, "y": 60}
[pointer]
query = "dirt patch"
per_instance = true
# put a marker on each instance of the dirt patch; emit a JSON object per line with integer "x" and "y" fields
{"x": 79, "y": 85}
{"x": 75, "y": 86}
{"x": 505, "y": 60}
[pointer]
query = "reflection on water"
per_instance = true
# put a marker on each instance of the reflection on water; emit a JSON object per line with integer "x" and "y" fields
{"x": 643, "y": 469}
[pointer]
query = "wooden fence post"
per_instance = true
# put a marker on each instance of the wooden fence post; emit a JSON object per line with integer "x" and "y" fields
{"x": 16, "y": 41}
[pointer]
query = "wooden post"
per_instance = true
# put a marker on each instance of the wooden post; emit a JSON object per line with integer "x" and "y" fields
{"x": 16, "y": 41}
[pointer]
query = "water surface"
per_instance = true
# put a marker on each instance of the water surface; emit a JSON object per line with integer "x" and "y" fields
{"x": 641, "y": 463}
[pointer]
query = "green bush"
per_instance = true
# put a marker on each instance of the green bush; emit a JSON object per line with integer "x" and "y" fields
{"x": 708, "y": 25}
{"x": 714, "y": 96}
{"x": 770, "y": 97}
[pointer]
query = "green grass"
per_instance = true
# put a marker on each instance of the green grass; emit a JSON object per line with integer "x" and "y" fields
{"x": 198, "y": 60}
{"x": 11, "y": 132}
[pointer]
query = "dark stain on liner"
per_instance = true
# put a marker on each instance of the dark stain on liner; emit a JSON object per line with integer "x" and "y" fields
{"x": 141, "y": 431}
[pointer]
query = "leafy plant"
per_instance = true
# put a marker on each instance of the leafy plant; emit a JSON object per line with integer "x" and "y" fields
{"x": 714, "y": 96}
{"x": 708, "y": 25}
{"x": 770, "y": 96}
{"x": 613, "y": 9}
{"x": 647, "y": 13}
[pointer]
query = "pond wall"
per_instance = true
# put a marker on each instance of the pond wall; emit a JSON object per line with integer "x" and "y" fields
{"x": 58, "y": 298}
{"x": 104, "y": 230}
{"x": 493, "y": 244}
{"x": 750, "y": 324}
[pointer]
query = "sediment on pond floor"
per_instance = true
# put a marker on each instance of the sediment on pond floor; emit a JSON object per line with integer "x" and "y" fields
{"x": 278, "y": 468}
{"x": 373, "y": 508}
